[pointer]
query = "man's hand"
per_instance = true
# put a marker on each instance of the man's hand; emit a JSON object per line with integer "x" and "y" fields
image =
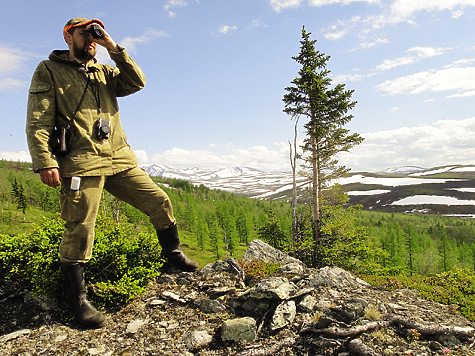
{"x": 105, "y": 41}
{"x": 50, "y": 177}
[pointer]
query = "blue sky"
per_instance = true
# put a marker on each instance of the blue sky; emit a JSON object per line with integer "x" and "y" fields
{"x": 216, "y": 73}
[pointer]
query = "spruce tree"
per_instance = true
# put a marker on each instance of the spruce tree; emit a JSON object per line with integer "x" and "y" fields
{"x": 326, "y": 110}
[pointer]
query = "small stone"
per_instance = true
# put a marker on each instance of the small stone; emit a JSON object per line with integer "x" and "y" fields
{"x": 307, "y": 304}
{"x": 135, "y": 325}
{"x": 99, "y": 351}
{"x": 156, "y": 302}
{"x": 241, "y": 329}
{"x": 196, "y": 339}
{"x": 60, "y": 338}
{"x": 173, "y": 296}
{"x": 210, "y": 306}
{"x": 14, "y": 335}
{"x": 284, "y": 315}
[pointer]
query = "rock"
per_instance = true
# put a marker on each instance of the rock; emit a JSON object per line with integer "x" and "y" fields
{"x": 274, "y": 288}
{"x": 292, "y": 268}
{"x": 253, "y": 307}
{"x": 45, "y": 304}
{"x": 101, "y": 351}
{"x": 259, "y": 250}
{"x": 196, "y": 339}
{"x": 14, "y": 335}
{"x": 173, "y": 296}
{"x": 228, "y": 265}
{"x": 324, "y": 322}
{"x": 135, "y": 325}
{"x": 209, "y": 306}
{"x": 166, "y": 279}
{"x": 307, "y": 304}
{"x": 335, "y": 277}
{"x": 348, "y": 312}
{"x": 284, "y": 315}
{"x": 448, "y": 340}
{"x": 156, "y": 302}
{"x": 241, "y": 329}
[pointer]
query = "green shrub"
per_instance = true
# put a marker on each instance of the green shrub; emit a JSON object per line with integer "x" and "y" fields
{"x": 456, "y": 287}
{"x": 123, "y": 263}
{"x": 259, "y": 269}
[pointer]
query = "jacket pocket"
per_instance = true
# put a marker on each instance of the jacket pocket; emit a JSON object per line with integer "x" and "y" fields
{"x": 37, "y": 88}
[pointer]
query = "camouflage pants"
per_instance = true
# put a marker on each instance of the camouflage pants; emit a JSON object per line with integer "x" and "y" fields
{"x": 79, "y": 208}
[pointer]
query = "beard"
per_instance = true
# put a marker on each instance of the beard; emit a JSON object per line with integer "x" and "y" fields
{"x": 84, "y": 54}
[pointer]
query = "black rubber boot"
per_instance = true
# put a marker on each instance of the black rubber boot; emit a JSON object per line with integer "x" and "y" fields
{"x": 170, "y": 243}
{"x": 86, "y": 314}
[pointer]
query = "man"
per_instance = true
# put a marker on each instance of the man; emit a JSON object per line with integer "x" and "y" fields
{"x": 71, "y": 90}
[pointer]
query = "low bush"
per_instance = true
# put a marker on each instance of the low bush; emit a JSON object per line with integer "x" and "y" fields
{"x": 124, "y": 261}
{"x": 455, "y": 287}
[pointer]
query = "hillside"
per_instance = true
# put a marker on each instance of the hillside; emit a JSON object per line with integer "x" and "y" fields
{"x": 448, "y": 190}
{"x": 224, "y": 310}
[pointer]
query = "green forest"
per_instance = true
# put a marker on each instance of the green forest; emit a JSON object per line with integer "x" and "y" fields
{"x": 217, "y": 224}
{"x": 395, "y": 249}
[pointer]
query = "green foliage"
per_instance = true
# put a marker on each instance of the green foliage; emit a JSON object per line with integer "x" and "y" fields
{"x": 272, "y": 233}
{"x": 33, "y": 257}
{"x": 20, "y": 196}
{"x": 259, "y": 269}
{"x": 347, "y": 244}
{"x": 420, "y": 244}
{"x": 326, "y": 110}
{"x": 123, "y": 263}
{"x": 455, "y": 287}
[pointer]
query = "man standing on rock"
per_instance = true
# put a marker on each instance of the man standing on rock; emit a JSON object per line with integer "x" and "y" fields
{"x": 73, "y": 95}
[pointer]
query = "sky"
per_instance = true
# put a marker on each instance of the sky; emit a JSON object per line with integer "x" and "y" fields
{"x": 217, "y": 71}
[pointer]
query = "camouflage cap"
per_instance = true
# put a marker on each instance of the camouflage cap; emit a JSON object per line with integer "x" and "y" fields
{"x": 80, "y": 21}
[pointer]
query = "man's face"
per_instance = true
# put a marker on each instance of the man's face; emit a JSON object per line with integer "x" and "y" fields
{"x": 83, "y": 47}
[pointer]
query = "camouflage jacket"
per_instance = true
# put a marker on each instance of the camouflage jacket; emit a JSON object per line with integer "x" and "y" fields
{"x": 55, "y": 92}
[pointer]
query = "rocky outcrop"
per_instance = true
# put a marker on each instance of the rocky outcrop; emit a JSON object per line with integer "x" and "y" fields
{"x": 219, "y": 311}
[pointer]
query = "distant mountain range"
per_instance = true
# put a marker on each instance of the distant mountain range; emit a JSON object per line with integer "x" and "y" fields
{"x": 444, "y": 190}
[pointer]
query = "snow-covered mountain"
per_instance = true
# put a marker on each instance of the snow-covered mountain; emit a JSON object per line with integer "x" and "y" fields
{"x": 445, "y": 190}
{"x": 239, "y": 180}
{"x": 402, "y": 170}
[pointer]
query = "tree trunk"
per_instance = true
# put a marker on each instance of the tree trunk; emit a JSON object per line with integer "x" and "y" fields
{"x": 315, "y": 193}
{"x": 293, "y": 163}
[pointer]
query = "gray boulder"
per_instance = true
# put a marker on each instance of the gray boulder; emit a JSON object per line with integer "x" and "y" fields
{"x": 284, "y": 315}
{"x": 259, "y": 250}
{"x": 335, "y": 277}
{"x": 241, "y": 329}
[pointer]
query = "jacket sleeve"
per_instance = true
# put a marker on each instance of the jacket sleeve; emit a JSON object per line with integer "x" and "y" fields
{"x": 127, "y": 78}
{"x": 40, "y": 119}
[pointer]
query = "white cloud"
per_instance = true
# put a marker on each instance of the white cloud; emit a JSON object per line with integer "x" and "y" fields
{"x": 441, "y": 143}
{"x": 345, "y": 78}
{"x": 461, "y": 80}
{"x": 278, "y": 5}
{"x": 174, "y": 3}
{"x": 225, "y": 29}
{"x": 259, "y": 157}
{"x": 399, "y": 11}
{"x": 12, "y": 83}
{"x": 337, "y": 34}
{"x": 344, "y": 2}
{"x": 21, "y": 156}
{"x": 402, "y": 9}
{"x": 12, "y": 61}
{"x": 420, "y": 53}
{"x": 130, "y": 43}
